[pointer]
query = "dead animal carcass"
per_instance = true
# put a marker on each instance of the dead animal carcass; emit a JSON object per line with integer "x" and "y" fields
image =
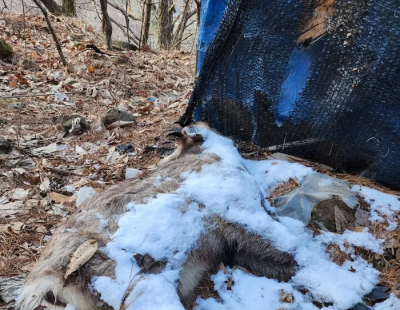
{"x": 216, "y": 238}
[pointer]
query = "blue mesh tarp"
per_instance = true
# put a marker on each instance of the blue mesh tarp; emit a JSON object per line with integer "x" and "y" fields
{"x": 210, "y": 18}
{"x": 315, "y": 79}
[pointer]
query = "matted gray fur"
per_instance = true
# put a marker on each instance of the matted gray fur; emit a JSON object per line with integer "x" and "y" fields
{"x": 224, "y": 242}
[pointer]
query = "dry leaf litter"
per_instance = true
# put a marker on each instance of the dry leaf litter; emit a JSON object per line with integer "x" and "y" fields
{"x": 41, "y": 176}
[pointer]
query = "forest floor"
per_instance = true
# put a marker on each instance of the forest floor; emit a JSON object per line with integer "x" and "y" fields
{"x": 39, "y": 178}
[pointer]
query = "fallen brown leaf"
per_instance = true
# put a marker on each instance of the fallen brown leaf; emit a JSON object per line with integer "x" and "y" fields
{"x": 82, "y": 254}
{"x": 59, "y": 198}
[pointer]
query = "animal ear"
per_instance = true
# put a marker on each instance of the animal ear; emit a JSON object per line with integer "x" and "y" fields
{"x": 189, "y": 133}
{"x": 197, "y": 138}
{"x": 193, "y": 133}
{"x": 176, "y": 133}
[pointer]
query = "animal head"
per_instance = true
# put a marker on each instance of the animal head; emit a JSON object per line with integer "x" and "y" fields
{"x": 190, "y": 139}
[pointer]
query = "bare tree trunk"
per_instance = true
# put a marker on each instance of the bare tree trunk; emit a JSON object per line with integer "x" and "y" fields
{"x": 171, "y": 11}
{"x": 52, "y": 6}
{"x": 106, "y": 24}
{"x": 58, "y": 45}
{"x": 127, "y": 3}
{"x": 147, "y": 19}
{"x": 68, "y": 7}
{"x": 181, "y": 27}
{"x": 165, "y": 14}
{"x": 198, "y": 5}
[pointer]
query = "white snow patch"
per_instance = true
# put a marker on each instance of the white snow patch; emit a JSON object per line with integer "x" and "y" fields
{"x": 169, "y": 225}
{"x": 69, "y": 188}
{"x": 251, "y": 292}
{"x": 352, "y": 238}
{"x": 83, "y": 194}
{"x": 392, "y": 303}
{"x": 383, "y": 206}
{"x": 131, "y": 173}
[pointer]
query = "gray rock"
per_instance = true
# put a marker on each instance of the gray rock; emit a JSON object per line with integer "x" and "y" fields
{"x": 360, "y": 306}
{"x": 5, "y": 146}
{"x": 115, "y": 115}
{"x": 123, "y": 148}
{"x": 73, "y": 124}
{"x": 378, "y": 294}
{"x": 11, "y": 103}
{"x": 333, "y": 214}
{"x": 16, "y": 105}
{"x": 6, "y": 50}
{"x": 121, "y": 45}
{"x": 362, "y": 218}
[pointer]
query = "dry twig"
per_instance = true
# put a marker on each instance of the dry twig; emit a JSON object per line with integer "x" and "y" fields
{"x": 58, "y": 45}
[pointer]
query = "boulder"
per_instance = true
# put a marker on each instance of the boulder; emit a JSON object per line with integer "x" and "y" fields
{"x": 6, "y": 50}
{"x": 11, "y": 104}
{"x": 114, "y": 115}
{"x": 5, "y": 146}
{"x": 333, "y": 214}
{"x": 73, "y": 124}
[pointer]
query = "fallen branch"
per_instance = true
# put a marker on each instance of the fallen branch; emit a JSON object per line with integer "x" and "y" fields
{"x": 66, "y": 24}
{"x": 41, "y": 95}
{"x": 58, "y": 45}
{"x": 5, "y": 6}
{"x": 6, "y": 64}
{"x": 61, "y": 171}
{"x": 120, "y": 124}
{"x": 96, "y": 49}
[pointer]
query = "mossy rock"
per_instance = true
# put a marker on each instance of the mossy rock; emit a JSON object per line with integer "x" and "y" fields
{"x": 80, "y": 45}
{"x": 121, "y": 45}
{"x": 115, "y": 115}
{"x": 11, "y": 103}
{"x": 5, "y": 146}
{"x": 74, "y": 124}
{"x": 6, "y": 50}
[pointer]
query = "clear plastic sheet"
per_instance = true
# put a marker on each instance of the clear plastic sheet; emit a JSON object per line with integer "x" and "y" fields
{"x": 317, "y": 187}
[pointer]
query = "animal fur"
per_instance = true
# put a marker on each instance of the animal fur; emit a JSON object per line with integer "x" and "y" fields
{"x": 232, "y": 245}
{"x": 224, "y": 242}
